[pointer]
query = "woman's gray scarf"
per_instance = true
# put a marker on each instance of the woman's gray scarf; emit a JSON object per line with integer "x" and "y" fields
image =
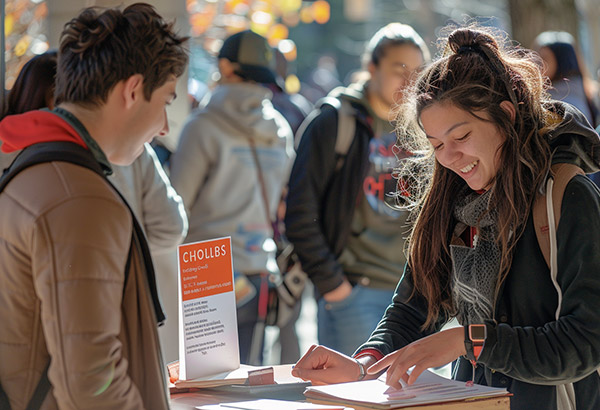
{"x": 475, "y": 270}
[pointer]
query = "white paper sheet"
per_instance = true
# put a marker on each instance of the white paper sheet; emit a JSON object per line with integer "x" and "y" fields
{"x": 429, "y": 388}
{"x": 265, "y": 404}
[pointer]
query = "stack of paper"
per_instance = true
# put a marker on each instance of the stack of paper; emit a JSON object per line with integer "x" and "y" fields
{"x": 270, "y": 405}
{"x": 282, "y": 375}
{"x": 428, "y": 389}
{"x": 237, "y": 376}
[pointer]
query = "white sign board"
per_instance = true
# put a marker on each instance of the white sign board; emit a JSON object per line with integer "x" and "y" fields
{"x": 208, "y": 337}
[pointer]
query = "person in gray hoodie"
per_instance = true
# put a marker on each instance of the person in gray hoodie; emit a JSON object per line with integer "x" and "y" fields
{"x": 214, "y": 169}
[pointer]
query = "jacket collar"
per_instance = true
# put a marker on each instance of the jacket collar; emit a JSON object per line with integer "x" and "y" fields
{"x": 22, "y": 130}
{"x": 87, "y": 138}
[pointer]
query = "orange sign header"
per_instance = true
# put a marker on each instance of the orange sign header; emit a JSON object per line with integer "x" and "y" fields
{"x": 205, "y": 268}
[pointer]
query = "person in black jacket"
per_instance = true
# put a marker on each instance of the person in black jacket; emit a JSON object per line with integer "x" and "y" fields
{"x": 492, "y": 134}
{"x": 349, "y": 241}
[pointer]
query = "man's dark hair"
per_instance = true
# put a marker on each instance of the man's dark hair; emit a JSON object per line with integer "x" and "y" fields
{"x": 100, "y": 48}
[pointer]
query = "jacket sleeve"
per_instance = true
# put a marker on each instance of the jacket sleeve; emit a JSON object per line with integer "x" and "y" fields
{"x": 164, "y": 217}
{"x": 567, "y": 349}
{"x": 191, "y": 162}
{"x": 79, "y": 252}
{"x": 401, "y": 324}
{"x": 311, "y": 173}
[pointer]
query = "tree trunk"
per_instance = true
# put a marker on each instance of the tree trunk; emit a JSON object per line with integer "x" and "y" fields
{"x": 531, "y": 17}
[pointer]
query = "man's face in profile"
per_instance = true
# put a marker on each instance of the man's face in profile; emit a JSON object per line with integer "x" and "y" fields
{"x": 148, "y": 120}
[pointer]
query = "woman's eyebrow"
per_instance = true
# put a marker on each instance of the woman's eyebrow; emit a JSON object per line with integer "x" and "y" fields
{"x": 449, "y": 130}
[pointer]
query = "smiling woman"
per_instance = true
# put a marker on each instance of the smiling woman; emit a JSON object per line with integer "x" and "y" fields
{"x": 486, "y": 135}
{"x": 464, "y": 143}
{"x": 482, "y": 113}
{"x": 466, "y": 103}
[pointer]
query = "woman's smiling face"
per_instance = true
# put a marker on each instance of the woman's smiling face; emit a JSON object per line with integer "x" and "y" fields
{"x": 463, "y": 143}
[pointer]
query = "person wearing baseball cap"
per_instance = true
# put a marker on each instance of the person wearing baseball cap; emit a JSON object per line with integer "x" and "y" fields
{"x": 251, "y": 56}
{"x": 228, "y": 153}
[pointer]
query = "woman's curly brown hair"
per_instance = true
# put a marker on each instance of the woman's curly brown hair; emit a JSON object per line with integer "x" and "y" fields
{"x": 477, "y": 70}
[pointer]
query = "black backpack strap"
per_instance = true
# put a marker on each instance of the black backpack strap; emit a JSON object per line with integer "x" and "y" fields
{"x": 39, "y": 394}
{"x": 48, "y": 152}
{"x": 142, "y": 243}
{"x": 41, "y": 391}
{"x": 4, "y": 402}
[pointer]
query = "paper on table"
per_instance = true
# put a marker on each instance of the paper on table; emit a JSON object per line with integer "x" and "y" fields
{"x": 282, "y": 374}
{"x": 237, "y": 376}
{"x": 429, "y": 388}
{"x": 266, "y": 404}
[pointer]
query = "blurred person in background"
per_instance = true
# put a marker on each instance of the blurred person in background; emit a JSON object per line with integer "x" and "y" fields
{"x": 143, "y": 184}
{"x": 33, "y": 89}
{"x": 215, "y": 170}
{"x": 36, "y": 82}
{"x": 349, "y": 241}
{"x": 564, "y": 68}
{"x": 567, "y": 73}
{"x": 160, "y": 211}
{"x": 322, "y": 79}
{"x": 294, "y": 107}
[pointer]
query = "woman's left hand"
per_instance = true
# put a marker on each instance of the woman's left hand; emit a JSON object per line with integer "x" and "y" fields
{"x": 432, "y": 351}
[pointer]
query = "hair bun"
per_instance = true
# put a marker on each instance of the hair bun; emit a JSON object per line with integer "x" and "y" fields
{"x": 464, "y": 40}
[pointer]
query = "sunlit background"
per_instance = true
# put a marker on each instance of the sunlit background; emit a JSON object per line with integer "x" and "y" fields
{"x": 321, "y": 40}
{"x": 26, "y": 34}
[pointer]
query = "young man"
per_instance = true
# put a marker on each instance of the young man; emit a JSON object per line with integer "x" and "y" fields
{"x": 215, "y": 170}
{"x": 77, "y": 296}
{"x": 349, "y": 241}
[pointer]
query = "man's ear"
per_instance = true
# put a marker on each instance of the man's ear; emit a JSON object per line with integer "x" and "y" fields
{"x": 133, "y": 90}
{"x": 510, "y": 109}
{"x": 371, "y": 68}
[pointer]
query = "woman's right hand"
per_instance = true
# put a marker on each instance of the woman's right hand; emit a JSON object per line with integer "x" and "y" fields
{"x": 321, "y": 365}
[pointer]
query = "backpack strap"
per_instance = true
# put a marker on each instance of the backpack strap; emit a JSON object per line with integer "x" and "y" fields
{"x": 48, "y": 152}
{"x": 346, "y": 127}
{"x": 561, "y": 174}
{"x": 4, "y": 402}
{"x": 345, "y": 131}
{"x": 41, "y": 390}
{"x": 546, "y": 216}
